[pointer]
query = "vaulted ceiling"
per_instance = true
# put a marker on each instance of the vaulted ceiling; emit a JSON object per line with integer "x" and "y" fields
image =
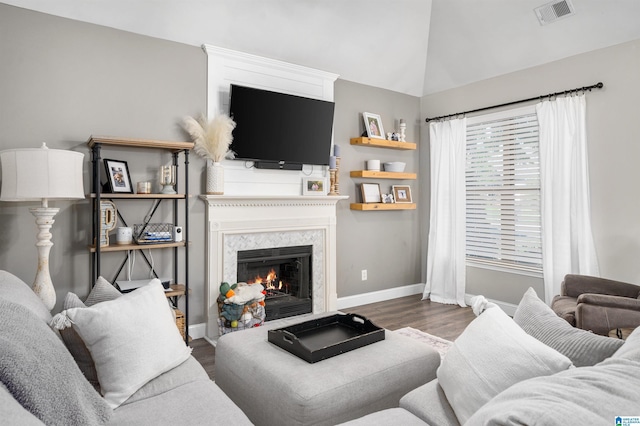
{"x": 416, "y": 47}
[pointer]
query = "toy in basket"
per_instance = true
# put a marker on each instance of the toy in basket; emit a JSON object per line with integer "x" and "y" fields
{"x": 240, "y": 306}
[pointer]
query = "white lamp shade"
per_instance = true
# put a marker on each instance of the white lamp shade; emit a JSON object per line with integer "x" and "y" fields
{"x": 41, "y": 173}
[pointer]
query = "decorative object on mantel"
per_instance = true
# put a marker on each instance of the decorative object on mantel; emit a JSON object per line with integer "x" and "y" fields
{"x": 212, "y": 140}
{"x": 314, "y": 186}
{"x": 334, "y": 169}
{"x": 30, "y": 174}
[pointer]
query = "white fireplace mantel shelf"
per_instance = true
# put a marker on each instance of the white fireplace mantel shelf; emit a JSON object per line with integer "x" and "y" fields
{"x": 251, "y": 200}
{"x": 247, "y": 222}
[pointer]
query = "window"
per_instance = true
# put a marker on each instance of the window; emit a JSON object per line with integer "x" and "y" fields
{"x": 503, "y": 191}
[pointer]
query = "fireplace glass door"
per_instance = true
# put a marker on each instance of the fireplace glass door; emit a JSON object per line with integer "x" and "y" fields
{"x": 285, "y": 273}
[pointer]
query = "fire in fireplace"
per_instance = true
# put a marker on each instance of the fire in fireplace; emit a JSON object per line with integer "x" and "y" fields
{"x": 285, "y": 273}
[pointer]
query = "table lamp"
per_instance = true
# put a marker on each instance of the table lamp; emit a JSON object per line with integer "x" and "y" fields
{"x": 42, "y": 174}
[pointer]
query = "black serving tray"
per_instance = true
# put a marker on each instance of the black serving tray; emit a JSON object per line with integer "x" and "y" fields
{"x": 326, "y": 337}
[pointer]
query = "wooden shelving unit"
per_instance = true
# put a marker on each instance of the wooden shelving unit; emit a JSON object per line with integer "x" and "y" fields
{"x": 382, "y": 206}
{"x": 382, "y": 143}
{"x": 382, "y": 175}
{"x": 97, "y": 143}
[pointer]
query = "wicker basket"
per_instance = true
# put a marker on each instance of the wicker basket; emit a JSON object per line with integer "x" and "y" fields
{"x": 180, "y": 321}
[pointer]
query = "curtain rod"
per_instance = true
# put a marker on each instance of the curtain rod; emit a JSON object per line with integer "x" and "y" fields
{"x": 598, "y": 85}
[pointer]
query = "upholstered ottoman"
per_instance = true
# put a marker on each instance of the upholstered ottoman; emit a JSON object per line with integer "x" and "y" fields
{"x": 275, "y": 387}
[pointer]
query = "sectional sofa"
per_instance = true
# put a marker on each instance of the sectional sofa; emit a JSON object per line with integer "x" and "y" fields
{"x": 534, "y": 369}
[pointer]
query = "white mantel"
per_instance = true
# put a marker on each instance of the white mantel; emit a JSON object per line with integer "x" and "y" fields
{"x": 255, "y": 221}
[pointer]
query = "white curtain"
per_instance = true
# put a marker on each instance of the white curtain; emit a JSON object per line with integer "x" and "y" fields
{"x": 445, "y": 281}
{"x": 567, "y": 239}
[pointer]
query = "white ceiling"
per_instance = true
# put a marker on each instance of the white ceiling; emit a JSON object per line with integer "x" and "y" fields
{"x": 416, "y": 47}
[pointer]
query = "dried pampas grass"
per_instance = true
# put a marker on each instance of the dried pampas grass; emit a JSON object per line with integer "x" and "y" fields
{"x": 212, "y": 138}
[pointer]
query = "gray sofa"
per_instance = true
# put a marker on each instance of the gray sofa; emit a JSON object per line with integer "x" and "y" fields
{"x": 42, "y": 384}
{"x": 601, "y": 382}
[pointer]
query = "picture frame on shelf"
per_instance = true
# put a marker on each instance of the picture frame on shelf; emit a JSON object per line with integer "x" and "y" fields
{"x": 370, "y": 193}
{"x": 314, "y": 186}
{"x": 388, "y": 199}
{"x": 402, "y": 193}
{"x": 373, "y": 125}
{"x": 118, "y": 177}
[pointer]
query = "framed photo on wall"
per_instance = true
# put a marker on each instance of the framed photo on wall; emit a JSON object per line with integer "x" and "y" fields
{"x": 402, "y": 193}
{"x": 314, "y": 186}
{"x": 118, "y": 178}
{"x": 370, "y": 193}
{"x": 373, "y": 124}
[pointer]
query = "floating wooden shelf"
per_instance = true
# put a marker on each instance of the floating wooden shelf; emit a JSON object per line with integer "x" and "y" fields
{"x": 382, "y": 206}
{"x": 139, "y": 143}
{"x": 382, "y": 175}
{"x": 140, "y": 196}
{"x": 382, "y": 143}
{"x": 126, "y": 247}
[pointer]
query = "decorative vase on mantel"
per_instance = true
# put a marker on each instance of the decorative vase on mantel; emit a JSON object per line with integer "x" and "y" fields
{"x": 215, "y": 178}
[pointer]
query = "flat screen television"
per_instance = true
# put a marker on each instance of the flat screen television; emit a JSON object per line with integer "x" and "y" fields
{"x": 278, "y": 130}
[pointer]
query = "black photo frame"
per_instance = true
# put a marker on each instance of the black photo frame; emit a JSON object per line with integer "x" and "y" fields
{"x": 118, "y": 177}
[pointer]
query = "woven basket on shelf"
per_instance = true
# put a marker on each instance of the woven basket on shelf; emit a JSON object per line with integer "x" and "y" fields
{"x": 180, "y": 321}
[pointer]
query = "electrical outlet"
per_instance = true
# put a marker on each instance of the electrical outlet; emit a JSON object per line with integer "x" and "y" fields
{"x": 364, "y": 275}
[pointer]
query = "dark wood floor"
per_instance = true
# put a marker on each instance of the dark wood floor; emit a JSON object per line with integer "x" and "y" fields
{"x": 446, "y": 321}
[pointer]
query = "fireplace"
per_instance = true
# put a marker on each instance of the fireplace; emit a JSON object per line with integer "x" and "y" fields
{"x": 286, "y": 274}
{"x": 247, "y": 222}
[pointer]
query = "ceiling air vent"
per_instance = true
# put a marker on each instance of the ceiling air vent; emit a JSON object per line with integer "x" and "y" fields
{"x": 553, "y": 11}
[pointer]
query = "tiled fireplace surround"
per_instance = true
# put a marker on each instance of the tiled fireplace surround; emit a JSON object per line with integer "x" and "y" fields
{"x": 236, "y": 223}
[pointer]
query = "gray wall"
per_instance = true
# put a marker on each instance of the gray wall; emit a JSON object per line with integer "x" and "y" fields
{"x": 385, "y": 243}
{"x": 613, "y": 153}
{"x": 62, "y": 81}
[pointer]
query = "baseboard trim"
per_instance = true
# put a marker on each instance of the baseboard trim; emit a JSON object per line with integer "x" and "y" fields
{"x": 379, "y": 296}
{"x": 197, "y": 331}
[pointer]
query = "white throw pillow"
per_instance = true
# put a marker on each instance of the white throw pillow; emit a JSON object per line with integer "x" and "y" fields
{"x": 132, "y": 340}
{"x": 492, "y": 354}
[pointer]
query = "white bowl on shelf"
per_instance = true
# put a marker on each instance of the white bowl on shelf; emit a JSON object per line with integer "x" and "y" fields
{"x": 394, "y": 166}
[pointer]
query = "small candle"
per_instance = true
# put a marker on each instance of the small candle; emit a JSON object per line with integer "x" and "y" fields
{"x": 336, "y": 150}
{"x": 332, "y": 162}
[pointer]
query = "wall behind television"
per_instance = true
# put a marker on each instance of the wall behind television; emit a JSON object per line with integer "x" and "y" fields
{"x": 612, "y": 145}
{"x": 62, "y": 81}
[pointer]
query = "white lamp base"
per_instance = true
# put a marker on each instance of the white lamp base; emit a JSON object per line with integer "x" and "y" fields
{"x": 42, "y": 285}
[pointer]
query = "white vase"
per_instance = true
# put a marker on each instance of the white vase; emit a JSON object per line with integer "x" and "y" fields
{"x": 215, "y": 178}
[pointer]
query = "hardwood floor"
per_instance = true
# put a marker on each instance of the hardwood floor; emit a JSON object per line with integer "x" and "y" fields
{"x": 445, "y": 321}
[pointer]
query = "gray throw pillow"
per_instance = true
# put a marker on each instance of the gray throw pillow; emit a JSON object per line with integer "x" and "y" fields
{"x": 103, "y": 291}
{"x": 582, "y": 347}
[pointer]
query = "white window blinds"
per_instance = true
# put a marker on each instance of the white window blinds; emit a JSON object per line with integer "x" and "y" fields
{"x": 503, "y": 191}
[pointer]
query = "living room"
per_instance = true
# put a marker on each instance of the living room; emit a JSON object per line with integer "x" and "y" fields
{"x": 84, "y": 80}
{"x": 64, "y": 80}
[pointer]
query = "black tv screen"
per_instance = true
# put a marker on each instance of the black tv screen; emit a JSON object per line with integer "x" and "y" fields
{"x": 278, "y": 130}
